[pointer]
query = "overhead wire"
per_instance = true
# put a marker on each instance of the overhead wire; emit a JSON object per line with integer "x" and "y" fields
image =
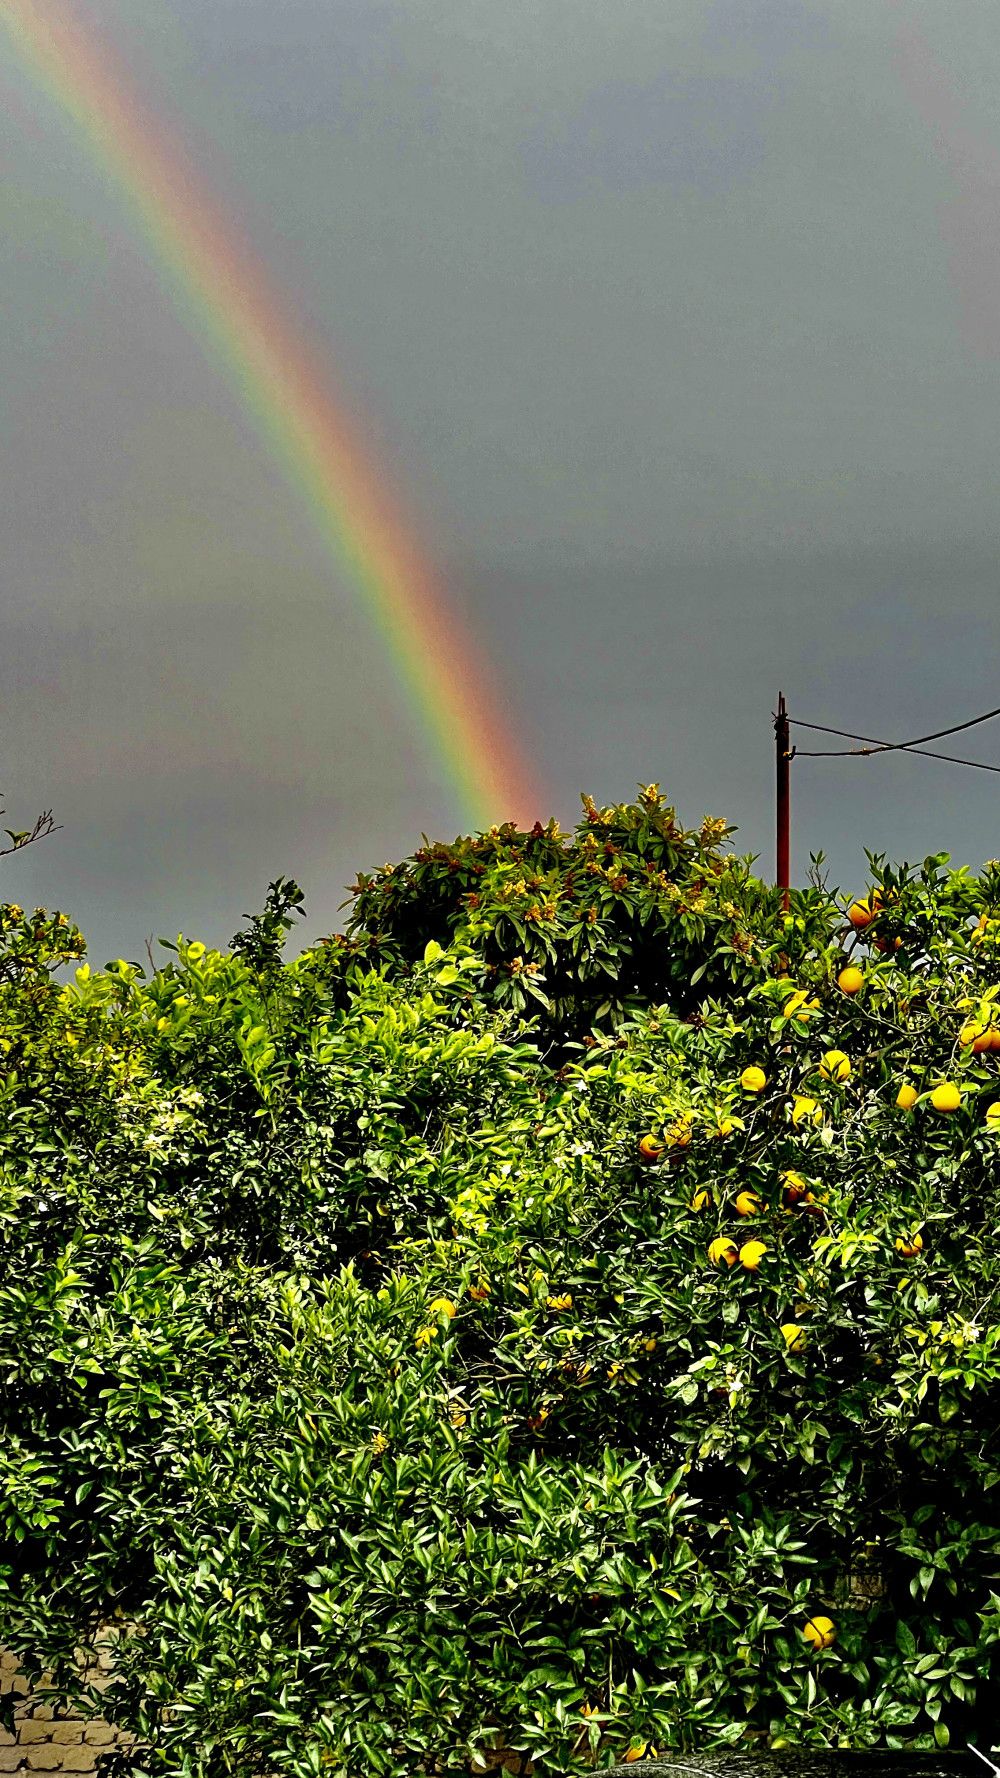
{"x": 879, "y": 746}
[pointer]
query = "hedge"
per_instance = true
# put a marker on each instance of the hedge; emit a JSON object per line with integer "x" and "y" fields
{"x": 408, "y": 1367}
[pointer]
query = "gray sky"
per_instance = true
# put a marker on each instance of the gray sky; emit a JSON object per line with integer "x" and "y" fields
{"x": 676, "y": 326}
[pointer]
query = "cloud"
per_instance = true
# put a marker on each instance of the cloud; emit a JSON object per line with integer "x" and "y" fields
{"x": 700, "y": 130}
{"x": 970, "y": 221}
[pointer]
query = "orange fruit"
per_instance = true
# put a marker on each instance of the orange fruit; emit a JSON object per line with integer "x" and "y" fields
{"x": 946, "y": 1096}
{"x": 751, "y": 1254}
{"x": 701, "y": 1199}
{"x": 649, "y": 1149}
{"x": 835, "y": 1066}
{"x": 795, "y": 1187}
{"x": 793, "y": 1335}
{"x": 753, "y": 1079}
{"x": 909, "y": 1245}
{"x": 860, "y": 915}
{"x": 907, "y": 1096}
{"x": 723, "y": 1251}
{"x": 806, "y": 1110}
{"x": 747, "y": 1204}
{"x": 993, "y": 1115}
{"x": 820, "y": 1632}
{"x": 850, "y": 980}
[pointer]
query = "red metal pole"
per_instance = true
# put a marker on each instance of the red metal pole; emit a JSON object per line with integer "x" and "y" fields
{"x": 783, "y": 801}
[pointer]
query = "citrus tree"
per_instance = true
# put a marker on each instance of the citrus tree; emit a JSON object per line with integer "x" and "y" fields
{"x": 404, "y": 1384}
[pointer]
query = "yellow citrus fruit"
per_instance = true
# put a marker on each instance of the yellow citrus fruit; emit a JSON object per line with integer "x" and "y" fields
{"x": 946, "y": 1096}
{"x": 747, "y": 1204}
{"x": 793, "y": 1335}
{"x": 443, "y": 1305}
{"x": 820, "y": 1632}
{"x": 850, "y": 980}
{"x": 860, "y": 915}
{"x": 993, "y": 1115}
{"x": 800, "y": 1006}
{"x": 909, "y": 1245}
{"x": 751, "y": 1254}
{"x": 806, "y": 1110}
{"x": 795, "y": 1187}
{"x": 835, "y": 1066}
{"x": 649, "y": 1148}
{"x": 753, "y": 1080}
{"x": 679, "y": 1134}
{"x": 984, "y": 1041}
{"x": 726, "y": 1126}
{"x": 969, "y": 1033}
{"x": 701, "y": 1199}
{"x": 907, "y": 1096}
{"x": 636, "y": 1752}
{"x": 722, "y": 1250}
{"x": 995, "y": 1038}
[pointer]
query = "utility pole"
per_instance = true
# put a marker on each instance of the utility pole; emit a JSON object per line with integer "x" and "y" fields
{"x": 783, "y": 798}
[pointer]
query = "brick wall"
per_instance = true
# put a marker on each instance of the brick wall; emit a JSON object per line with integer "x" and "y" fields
{"x": 49, "y": 1740}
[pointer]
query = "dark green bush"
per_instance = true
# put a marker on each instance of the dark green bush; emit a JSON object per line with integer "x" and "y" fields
{"x": 359, "y": 1362}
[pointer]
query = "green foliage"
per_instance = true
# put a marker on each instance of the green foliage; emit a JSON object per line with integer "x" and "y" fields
{"x": 579, "y": 932}
{"x": 358, "y": 1361}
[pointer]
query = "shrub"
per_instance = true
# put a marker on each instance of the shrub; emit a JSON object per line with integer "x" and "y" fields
{"x": 368, "y": 1365}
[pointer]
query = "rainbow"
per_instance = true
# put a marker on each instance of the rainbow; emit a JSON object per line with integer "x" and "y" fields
{"x": 287, "y": 394}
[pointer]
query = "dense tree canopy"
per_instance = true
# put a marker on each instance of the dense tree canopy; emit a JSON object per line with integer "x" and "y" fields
{"x": 560, "y": 1311}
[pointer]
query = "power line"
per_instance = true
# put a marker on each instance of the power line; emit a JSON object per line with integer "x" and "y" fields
{"x": 785, "y": 753}
{"x": 879, "y": 746}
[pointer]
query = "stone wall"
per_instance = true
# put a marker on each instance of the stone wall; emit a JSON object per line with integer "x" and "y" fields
{"x": 49, "y": 1740}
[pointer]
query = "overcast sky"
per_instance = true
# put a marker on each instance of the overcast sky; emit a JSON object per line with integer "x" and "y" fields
{"x": 676, "y": 324}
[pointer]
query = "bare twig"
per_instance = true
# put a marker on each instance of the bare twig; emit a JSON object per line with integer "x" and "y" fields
{"x": 26, "y": 836}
